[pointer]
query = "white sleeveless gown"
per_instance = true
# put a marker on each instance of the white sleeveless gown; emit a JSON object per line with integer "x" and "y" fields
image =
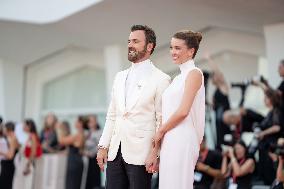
{"x": 180, "y": 146}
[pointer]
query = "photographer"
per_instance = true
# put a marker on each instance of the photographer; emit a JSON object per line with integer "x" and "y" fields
{"x": 220, "y": 101}
{"x": 278, "y": 155}
{"x": 280, "y": 89}
{"x": 271, "y": 129}
{"x": 207, "y": 168}
{"x": 238, "y": 166}
{"x": 281, "y": 86}
{"x": 242, "y": 118}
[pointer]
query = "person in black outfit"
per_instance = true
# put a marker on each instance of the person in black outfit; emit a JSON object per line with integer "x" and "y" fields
{"x": 74, "y": 160}
{"x": 281, "y": 86}
{"x": 91, "y": 149}
{"x": 7, "y": 165}
{"x": 220, "y": 104}
{"x": 208, "y": 167}
{"x": 272, "y": 129}
{"x": 241, "y": 165}
{"x": 48, "y": 137}
{"x": 242, "y": 118}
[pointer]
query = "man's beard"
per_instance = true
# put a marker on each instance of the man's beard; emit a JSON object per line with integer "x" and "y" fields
{"x": 134, "y": 55}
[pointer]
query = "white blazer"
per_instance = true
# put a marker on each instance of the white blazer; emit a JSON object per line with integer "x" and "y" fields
{"x": 135, "y": 126}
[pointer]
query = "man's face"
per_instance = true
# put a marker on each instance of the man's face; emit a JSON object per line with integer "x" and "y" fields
{"x": 137, "y": 48}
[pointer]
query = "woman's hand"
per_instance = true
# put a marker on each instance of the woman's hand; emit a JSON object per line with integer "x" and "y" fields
{"x": 260, "y": 135}
{"x": 231, "y": 152}
{"x": 27, "y": 169}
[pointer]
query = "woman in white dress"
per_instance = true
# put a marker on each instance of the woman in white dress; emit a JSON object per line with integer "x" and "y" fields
{"x": 183, "y": 114}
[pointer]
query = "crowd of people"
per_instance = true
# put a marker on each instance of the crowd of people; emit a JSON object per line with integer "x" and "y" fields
{"x": 236, "y": 163}
{"x": 56, "y": 137}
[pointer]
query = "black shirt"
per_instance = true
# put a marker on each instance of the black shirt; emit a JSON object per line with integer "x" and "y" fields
{"x": 244, "y": 182}
{"x": 281, "y": 89}
{"x": 249, "y": 119}
{"x": 221, "y": 100}
{"x": 214, "y": 160}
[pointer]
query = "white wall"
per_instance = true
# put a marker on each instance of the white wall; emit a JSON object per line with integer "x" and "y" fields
{"x": 11, "y": 90}
{"x": 274, "y": 38}
{"x": 52, "y": 68}
{"x": 2, "y": 106}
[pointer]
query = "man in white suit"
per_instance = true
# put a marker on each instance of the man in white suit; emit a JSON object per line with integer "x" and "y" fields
{"x": 133, "y": 116}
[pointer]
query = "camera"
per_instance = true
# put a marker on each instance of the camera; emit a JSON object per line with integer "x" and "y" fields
{"x": 253, "y": 146}
{"x": 277, "y": 149}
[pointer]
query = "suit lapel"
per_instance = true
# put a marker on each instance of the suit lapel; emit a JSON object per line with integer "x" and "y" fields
{"x": 122, "y": 87}
{"x": 138, "y": 91}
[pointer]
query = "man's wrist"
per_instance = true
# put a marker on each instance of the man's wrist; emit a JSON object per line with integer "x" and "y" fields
{"x": 102, "y": 147}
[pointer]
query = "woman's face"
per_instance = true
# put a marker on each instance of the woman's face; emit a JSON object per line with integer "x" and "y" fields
{"x": 92, "y": 124}
{"x": 239, "y": 151}
{"x": 26, "y": 128}
{"x": 50, "y": 120}
{"x": 281, "y": 69}
{"x": 79, "y": 125}
{"x": 180, "y": 52}
{"x": 267, "y": 102}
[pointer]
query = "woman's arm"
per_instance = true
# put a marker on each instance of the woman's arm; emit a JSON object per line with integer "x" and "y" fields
{"x": 79, "y": 140}
{"x": 192, "y": 84}
{"x": 216, "y": 173}
{"x": 241, "y": 170}
{"x": 67, "y": 140}
{"x": 11, "y": 151}
{"x": 279, "y": 174}
{"x": 222, "y": 83}
{"x": 224, "y": 167}
{"x": 271, "y": 130}
{"x": 33, "y": 148}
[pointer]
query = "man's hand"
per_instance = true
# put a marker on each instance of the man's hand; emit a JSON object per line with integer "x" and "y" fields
{"x": 102, "y": 158}
{"x": 152, "y": 162}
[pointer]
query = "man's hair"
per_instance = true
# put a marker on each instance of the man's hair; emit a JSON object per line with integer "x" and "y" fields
{"x": 149, "y": 34}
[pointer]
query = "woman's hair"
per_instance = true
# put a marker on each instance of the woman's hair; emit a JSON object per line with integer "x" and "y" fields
{"x": 66, "y": 126}
{"x": 31, "y": 124}
{"x": 95, "y": 116}
{"x": 84, "y": 121}
{"x": 192, "y": 39}
{"x": 10, "y": 126}
{"x": 243, "y": 144}
{"x": 1, "y": 130}
{"x": 274, "y": 97}
{"x": 46, "y": 126}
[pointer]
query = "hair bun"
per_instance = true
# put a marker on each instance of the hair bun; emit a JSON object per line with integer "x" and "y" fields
{"x": 198, "y": 35}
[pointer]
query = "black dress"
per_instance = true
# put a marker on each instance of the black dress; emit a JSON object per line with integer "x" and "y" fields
{"x": 266, "y": 170}
{"x": 214, "y": 160}
{"x": 7, "y": 173}
{"x": 244, "y": 182}
{"x": 221, "y": 104}
{"x": 74, "y": 168}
